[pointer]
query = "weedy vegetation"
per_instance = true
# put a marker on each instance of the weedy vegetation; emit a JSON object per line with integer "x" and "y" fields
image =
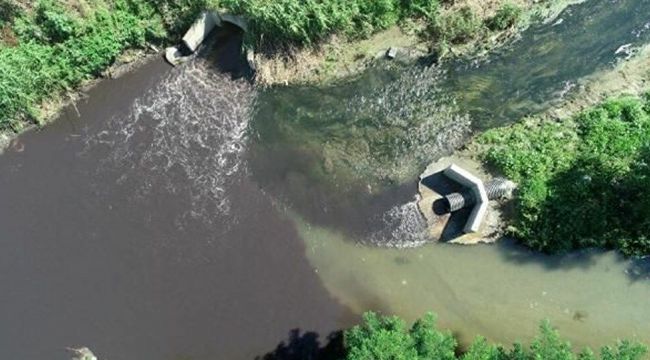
{"x": 506, "y": 17}
{"x": 49, "y": 47}
{"x": 583, "y": 181}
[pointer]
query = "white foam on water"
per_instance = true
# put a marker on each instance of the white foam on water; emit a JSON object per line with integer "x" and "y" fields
{"x": 185, "y": 137}
{"x": 423, "y": 120}
{"x": 404, "y": 227}
{"x": 639, "y": 32}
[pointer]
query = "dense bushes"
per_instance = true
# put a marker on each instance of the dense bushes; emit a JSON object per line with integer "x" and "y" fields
{"x": 427, "y": 9}
{"x": 384, "y": 338}
{"x": 58, "y": 48}
{"x": 457, "y": 27}
{"x": 507, "y": 16}
{"x": 381, "y": 338}
{"x": 583, "y": 182}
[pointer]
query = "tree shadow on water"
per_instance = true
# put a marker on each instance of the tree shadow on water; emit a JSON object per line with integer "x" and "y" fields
{"x": 307, "y": 346}
{"x": 512, "y": 251}
{"x": 593, "y": 211}
{"x": 639, "y": 269}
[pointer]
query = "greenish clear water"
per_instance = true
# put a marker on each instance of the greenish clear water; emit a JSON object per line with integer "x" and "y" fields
{"x": 344, "y": 159}
{"x": 545, "y": 63}
{"x": 363, "y": 136}
{"x": 497, "y": 291}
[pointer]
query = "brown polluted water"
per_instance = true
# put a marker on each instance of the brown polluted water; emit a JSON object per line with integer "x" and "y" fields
{"x": 132, "y": 229}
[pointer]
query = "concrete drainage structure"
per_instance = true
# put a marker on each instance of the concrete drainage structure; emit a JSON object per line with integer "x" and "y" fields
{"x": 456, "y": 201}
{"x": 198, "y": 32}
{"x": 82, "y": 353}
{"x": 478, "y": 195}
{"x": 477, "y": 189}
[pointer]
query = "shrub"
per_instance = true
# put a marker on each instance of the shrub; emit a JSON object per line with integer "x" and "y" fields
{"x": 379, "y": 338}
{"x": 481, "y": 350}
{"x": 581, "y": 181}
{"x": 387, "y": 337}
{"x": 58, "y": 51}
{"x": 549, "y": 346}
{"x": 506, "y": 16}
{"x": 427, "y": 9}
{"x": 51, "y": 24}
{"x": 457, "y": 27}
{"x": 8, "y": 11}
{"x": 172, "y": 17}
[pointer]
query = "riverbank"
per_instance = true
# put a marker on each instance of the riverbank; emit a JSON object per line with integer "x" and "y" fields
{"x": 584, "y": 160}
{"x": 67, "y": 46}
{"x": 459, "y": 28}
{"x": 129, "y": 61}
{"x": 49, "y": 49}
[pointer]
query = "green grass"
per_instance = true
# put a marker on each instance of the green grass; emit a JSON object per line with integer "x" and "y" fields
{"x": 59, "y": 48}
{"x": 582, "y": 180}
{"x": 279, "y": 23}
{"x": 48, "y": 47}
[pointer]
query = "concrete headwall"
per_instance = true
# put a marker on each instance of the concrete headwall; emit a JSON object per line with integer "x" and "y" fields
{"x": 234, "y": 19}
{"x": 205, "y": 23}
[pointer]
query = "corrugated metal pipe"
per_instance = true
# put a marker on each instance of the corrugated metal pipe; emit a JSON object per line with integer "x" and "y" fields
{"x": 498, "y": 188}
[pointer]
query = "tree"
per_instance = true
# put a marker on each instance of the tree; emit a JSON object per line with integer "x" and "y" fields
{"x": 549, "y": 346}
{"x": 625, "y": 350}
{"x": 481, "y": 350}
{"x": 431, "y": 343}
{"x": 379, "y": 338}
{"x": 387, "y": 338}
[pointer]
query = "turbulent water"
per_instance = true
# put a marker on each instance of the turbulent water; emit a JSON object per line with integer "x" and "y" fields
{"x": 131, "y": 226}
{"x": 403, "y": 227}
{"x": 359, "y": 139}
{"x": 374, "y": 130}
{"x": 186, "y": 136}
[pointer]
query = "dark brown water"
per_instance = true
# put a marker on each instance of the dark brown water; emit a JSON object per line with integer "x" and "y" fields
{"x": 130, "y": 229}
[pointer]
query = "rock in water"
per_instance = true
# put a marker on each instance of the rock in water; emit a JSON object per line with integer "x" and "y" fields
{"x": 82, "y": 353}
{"x": 392, "y": 52}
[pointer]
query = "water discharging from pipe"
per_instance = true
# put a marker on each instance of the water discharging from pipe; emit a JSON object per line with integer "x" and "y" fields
{"x": 185, "y": 136}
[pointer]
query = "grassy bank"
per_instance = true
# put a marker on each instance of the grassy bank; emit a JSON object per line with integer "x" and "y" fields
{"x": 321, "y": 42}
{"x": 284, "y": 24}
{"x": 389, "y": 338}
{"x": 583, "y": 180}
{"x": 49, "y": 47}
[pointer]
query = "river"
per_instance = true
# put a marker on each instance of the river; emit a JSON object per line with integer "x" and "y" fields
{"x": 180, "y": 213}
